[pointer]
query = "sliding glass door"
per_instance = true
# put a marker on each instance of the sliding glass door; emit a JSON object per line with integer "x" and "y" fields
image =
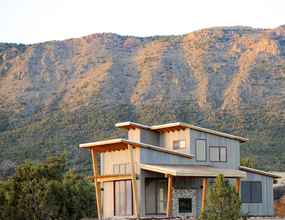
{"x": 123, "y": 198}
{"x": 155, "y": 196}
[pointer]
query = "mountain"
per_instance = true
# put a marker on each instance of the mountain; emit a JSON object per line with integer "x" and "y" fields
{"x": 55, "y": 95}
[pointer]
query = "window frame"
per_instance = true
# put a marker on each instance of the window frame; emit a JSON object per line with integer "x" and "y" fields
{"x": 250, "y": 191}
{"x": 179, "y": 141}
{"x": 196, "y": 147}
{"x": 219, "y": 147}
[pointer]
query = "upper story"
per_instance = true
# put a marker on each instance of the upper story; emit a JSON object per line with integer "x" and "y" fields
{"x": 207, "y": 146}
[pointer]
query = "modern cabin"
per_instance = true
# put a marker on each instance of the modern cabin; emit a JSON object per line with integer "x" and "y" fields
{"x": 165, "y": 170}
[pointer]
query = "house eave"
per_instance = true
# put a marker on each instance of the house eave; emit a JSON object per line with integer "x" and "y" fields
{"x": 260, "y": 172}
{"x": 122, "y": 144}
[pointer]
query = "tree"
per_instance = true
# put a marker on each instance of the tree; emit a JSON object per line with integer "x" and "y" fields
{"x": 223, "y": 202}
{"x": 248, "y": 162}
{"x": 46, "y": 191}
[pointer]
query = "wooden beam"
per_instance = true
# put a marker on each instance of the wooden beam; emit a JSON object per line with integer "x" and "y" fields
{"x": 238, "y": 185}
{"x": 111, "y": 178}
{"x": 134, "y": 182}
{"x": 204, "y": 193}
{"x": 96, "y": 183}
{"x": 169, "y": 196}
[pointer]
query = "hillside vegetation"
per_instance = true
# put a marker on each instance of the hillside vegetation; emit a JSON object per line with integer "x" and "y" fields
{"x": 57, "y": 94}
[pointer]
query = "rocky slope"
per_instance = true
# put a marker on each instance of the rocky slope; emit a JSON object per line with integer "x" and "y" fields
{"x": 56, "y": 94}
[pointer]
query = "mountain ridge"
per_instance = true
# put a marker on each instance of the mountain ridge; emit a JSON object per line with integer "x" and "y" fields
{"x": 52, "y": 94}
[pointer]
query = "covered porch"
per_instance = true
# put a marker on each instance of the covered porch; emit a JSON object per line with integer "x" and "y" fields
{"x": 119, "y": 193}
{"x": 181, "y": 190}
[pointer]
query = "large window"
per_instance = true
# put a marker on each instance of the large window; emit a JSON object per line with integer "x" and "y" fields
{"x": 251, "y": 192}
{"x": 179, "y": 144}
{"x": 200, "y": 150}
{"x": 123, "y": 198}
{"x": 155, "y": 196}
{"x": 218, "y": 154}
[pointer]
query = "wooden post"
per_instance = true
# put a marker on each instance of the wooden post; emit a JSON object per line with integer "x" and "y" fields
{"x": 169, "y": 196}
{"x": 238, "y": 185}
{"x": 204, "y": 193}
{"x": 134, "y": 183}
{"x": 96, "y": 183}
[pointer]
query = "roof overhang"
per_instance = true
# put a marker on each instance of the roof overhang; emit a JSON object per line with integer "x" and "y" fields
{"x": 131, "y": 125}
{"x": 260, "y": 172}
{"x": 193, "y": 170}
{"x": 178, "y": 126}
{"x": 181, "y": 125}
{"x": 123, "y": 144}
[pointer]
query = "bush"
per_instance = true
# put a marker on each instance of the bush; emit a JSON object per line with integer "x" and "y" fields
{"x": 223, "y": 202}
{"x": 46, "y": 191}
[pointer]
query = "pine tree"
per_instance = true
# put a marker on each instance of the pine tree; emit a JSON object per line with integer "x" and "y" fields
{"x": 223, "y": 202}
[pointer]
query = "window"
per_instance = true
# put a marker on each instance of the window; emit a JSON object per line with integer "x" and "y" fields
{"x": 218, "y": 154}
{"x": 185, "y": 205}
{"x": 122, "y": 168}
{"x": 179, "y": 144}
{"x": 156, "y": 196}
{"x": 123, "y": 198}
{"x": 251, "y": 192}
{"x": 201, "y": 150}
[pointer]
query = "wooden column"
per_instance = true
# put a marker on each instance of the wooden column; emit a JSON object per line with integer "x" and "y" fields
{"x": 96, "y": 183}
{"x": 238, "y": 185}
{"x": 134, "y": 183}
{"x": 169, "y": 196}
{"x": 204, "y": 193}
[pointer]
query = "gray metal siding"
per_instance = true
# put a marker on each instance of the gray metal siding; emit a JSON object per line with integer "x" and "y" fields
{"x": 266, "y": 207}
{"x": 149, "y": 137}
{"x": 233, "y": 149}
{"x": 155, "y": 157}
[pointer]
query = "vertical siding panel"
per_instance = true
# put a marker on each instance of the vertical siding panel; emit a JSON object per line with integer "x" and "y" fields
{"x": 266, "y": 207}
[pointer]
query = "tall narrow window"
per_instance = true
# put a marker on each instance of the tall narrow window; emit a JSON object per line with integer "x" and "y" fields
{"x": 201, "y": 150}
{"x": 123, "y": 198}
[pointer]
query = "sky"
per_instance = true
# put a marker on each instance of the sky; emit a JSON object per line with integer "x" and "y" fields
{"x": 33, "y": 21}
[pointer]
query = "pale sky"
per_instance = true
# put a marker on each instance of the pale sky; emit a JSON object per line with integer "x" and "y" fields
{"x": 31, "y": 21}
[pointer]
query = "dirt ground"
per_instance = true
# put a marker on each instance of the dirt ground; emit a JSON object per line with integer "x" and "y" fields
{"x": 267, "y": 218}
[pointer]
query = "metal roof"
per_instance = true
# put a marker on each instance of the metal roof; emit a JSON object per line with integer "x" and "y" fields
{"x": 193, "y": 170}
{"x": 176, "y": 126}
{"x": 260, "y": 172}
{"x": 122, "y": 144}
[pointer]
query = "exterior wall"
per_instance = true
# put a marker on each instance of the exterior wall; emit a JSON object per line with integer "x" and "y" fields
{"x": 155, "y": 157}
{"x": 233, "y": 149}
{"x": 108, "y": 160}
{"x": 149, "y": 137}
{"x": 266, "y": 207}
{"x": 134, "y": 134}
{"x": 167, "y": 138}
{"x": 191, "y": 187}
